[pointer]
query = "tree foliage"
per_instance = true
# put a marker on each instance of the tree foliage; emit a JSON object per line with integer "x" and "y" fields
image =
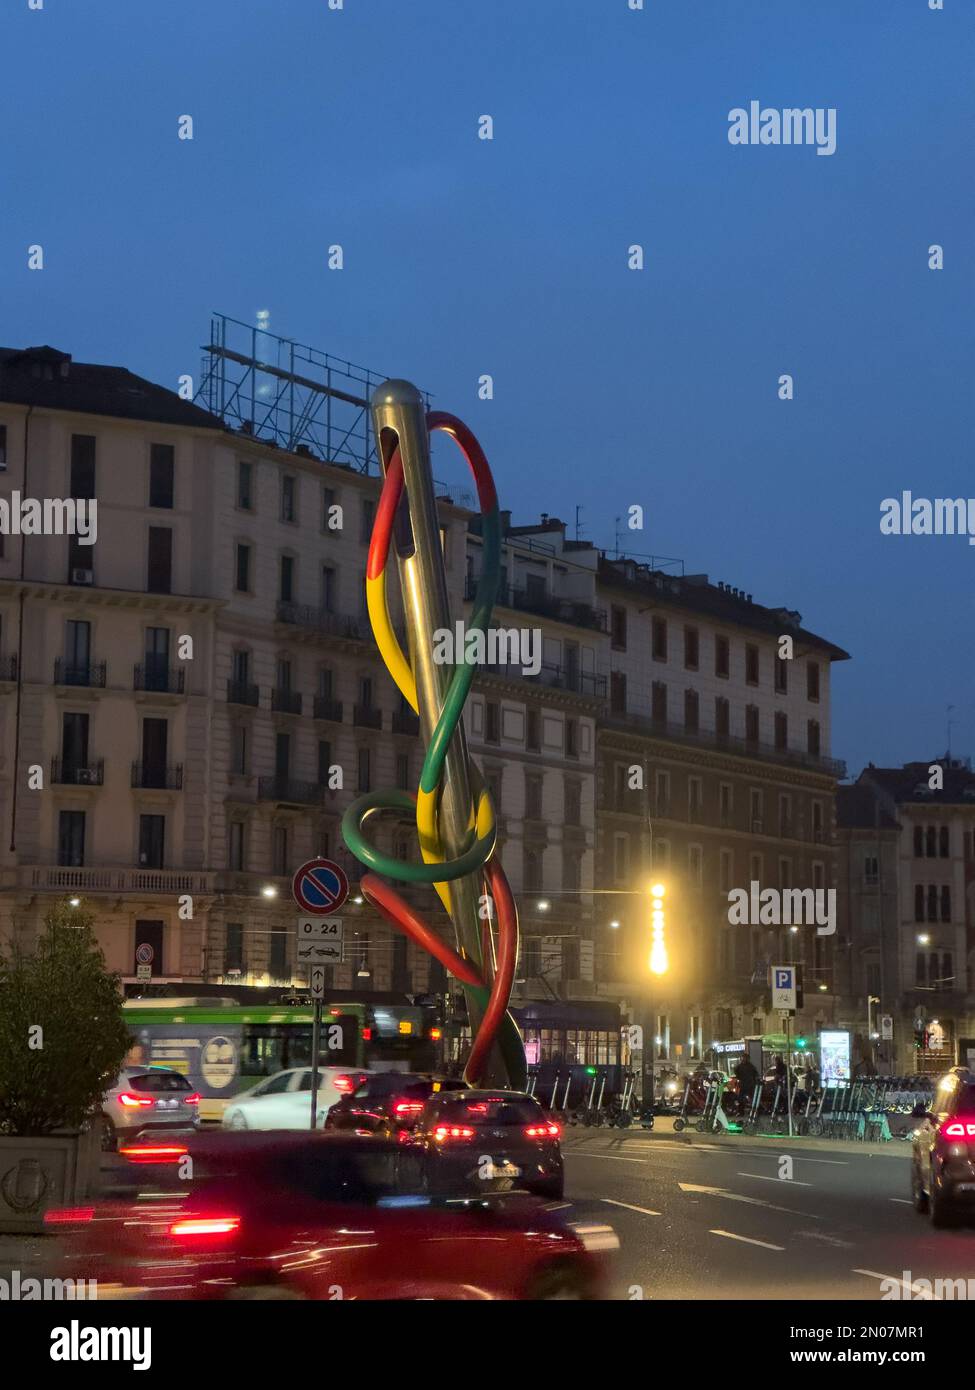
{"x": 54, "y": 1078}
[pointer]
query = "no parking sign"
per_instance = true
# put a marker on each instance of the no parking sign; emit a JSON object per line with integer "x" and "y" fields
{"x": 320, "y": 886}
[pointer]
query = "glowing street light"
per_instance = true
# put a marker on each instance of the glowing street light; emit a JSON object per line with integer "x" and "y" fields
{"x": 658, "y": 951}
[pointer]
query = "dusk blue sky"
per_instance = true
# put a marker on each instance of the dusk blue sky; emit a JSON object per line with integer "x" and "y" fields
{"x": 509, "y": 257}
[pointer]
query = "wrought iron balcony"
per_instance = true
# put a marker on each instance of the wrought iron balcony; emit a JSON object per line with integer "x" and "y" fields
{"x": 290, "y": 789}
{"x": 8, "y": 668}
{"x": 168, "y": 680}
{"x": 327, "y": 708}
{"x": 749, "y": 748}
{"x": 243, "y": 693}
{"x": 158, "y": 777}
{"x": 575, "y": 612}
{"x": 587, "y": 683}
{"x": 286, "y": 701}
{"x": 367, "y": 716}
{"x": 319, "y": 621}
{"x": 70, "y": 774}
{"x": 405, "y": 722}
{"x": 91, "y": 673}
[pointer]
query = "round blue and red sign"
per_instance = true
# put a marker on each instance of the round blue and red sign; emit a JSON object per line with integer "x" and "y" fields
{"x": 320, "y": 886}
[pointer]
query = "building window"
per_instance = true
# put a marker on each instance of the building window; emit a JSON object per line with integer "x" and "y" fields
{"x": 621, "y": 858}
{"x": 71, "y": 839}
{"x": 279, "y": 851}
{"x": 533, "y": 871}
{"x": 661, "y": 794}
{"x": 695, "y": 865}
{"x": 757, "y": 807}
{"x": 159, "y": 577}
{"x": 726, "y": 870}
{"x": 658, "y": 638}
{"x": 943, "y": 846}
{"x": 152, "y": 841}
{"x": 945, "y": 903}
{"x": 812, "y": 680}
{"x": 691, "y": 711}
{"x": 278, "y": 962}
{"x": 812, "y": 737}
{"x": 691, "y": 648}
{"x": 239, "y": 750}
{"x": 403, "y": 772}
{"x": 83, "y": 465}
{"x": 161, "y": 474}
{"x": 725, "y": 802}
{"x": 3, "y": 446}
{"x": 781, "y": 730}
{"x": 785, "y": 815}
{"x": 618, "y": 627}
{"x": 571, "y": 872}
{"x": 492, "y": 722}
{"x": 242, "y": 576}
{"x": 722, "y": 657}
{"x": 532, "y": 736}
{"x": 233, "y": 961}
{"x": 286, "y": 585}
{"x": 722, "y": 717}
{"x": 751, "y": 664}
{"x": 289, "y": 492}
{"x": 573, "y": 802}
{"x": 617, "y": 692}
{"x": 755, "y": 869}
{"x": 367, "y": 516}
{"x": 695, "y": 798}
{"x": 245, "y": 485}
{"x": 364, "y": 770}
{"x": 751, "y": 723}
{"x": 324, "y": 760}
{"x": 785, "y": 873}
{"x": 571, "y": 739}
{"x": 919, "y": 842}
{"x": 781, "y": 676}
{"x": 328, "y": 502}
{"x": 533, "y": 796}
{"x": 329, "y": 588}
{"x": 237, "y": 845}
{"x": 658, "y": 702}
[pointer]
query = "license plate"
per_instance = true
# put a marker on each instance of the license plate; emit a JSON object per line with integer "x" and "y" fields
{"x": 501, "y": 1170}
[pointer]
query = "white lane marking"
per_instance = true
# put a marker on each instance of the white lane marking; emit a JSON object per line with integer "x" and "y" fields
{"x": 903, "y": 1201}
{"x": 739, "y": 1197}
{"x": 828, "y": 1240}
{"x": 614, "y": 1158}
{"x": 912, "y": 1288}
{"x": 630, "y": 1207}
{"x": 747, "y": 1240}
{"x": 770, "y": 1177}
{"x": 558, "y": 1206}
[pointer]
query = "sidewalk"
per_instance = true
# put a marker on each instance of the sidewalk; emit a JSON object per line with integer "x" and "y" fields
{"x": 664, "y": 1128}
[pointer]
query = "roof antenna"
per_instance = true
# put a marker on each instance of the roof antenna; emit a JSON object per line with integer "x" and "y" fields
{"x": 578, "y": 522}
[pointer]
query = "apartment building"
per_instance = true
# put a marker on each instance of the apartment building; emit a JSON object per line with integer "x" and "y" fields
{"x": 714, "y": 772}
{"x": 190, "y": 704}
{"x": 928, "y": 985}
{"x": 534, "y": 736}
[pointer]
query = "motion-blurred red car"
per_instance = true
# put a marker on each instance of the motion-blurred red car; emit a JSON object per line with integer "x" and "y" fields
{"x": 319, "y": 1216}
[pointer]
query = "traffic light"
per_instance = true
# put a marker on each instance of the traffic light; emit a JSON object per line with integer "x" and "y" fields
{"x": 801, "y": 1044}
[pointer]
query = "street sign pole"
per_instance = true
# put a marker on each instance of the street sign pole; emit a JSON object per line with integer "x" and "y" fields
{"x": 788, "y": 1067}
{"x": 316, "y": 1032}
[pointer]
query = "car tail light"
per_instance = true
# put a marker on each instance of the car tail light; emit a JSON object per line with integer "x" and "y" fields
{"x": 408, "y": 1107}
{"x": 154, "y": 1153}
{"x": 545, "y": 1131}
{"x": 194, "y": 1099}
{"x": 205, "y": 1226}
{"x": 135, "y": 1102}
{"x": 444, "y": 1133}
{"x": 68, "y": 1216}
{"x": 958, "y": 1130}
{"x": 347, "y": 1084}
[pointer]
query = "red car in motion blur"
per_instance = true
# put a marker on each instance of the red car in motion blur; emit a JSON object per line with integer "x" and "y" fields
{"x": 322, "y": 1216}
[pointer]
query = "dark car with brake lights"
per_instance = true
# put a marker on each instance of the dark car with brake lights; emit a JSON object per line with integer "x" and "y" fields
{"x": 386, "y": 1103}
{"x": 943, "y": 1150}
{"x": 484, "y": 1140}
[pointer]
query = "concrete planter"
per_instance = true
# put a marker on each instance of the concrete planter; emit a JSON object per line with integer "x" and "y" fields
{"x": 49, "y": 1170}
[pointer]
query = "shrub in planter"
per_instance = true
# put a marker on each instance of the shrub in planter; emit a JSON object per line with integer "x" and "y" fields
{"x": 62, "y": 1043}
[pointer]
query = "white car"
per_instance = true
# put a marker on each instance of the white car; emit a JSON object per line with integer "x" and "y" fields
{"x": 283, "y": 1101}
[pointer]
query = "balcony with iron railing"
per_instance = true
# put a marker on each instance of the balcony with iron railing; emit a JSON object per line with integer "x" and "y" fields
{"x": 575, "y": 612}
{"x": 277, "y": 787}
{"x": 405, "y": 722}
{"x": 163, "y": 680}
{"x": 367, "y": 717}
{"x": 243, "y": 693}
{"x": 158, "y": 777}
{"x": 87, "y": 673}
{"x": 325, "y": 707}
{"x": 67, "y": 773}
{"x": 589, "y": 684}
{"x": 319, "y": 621}
{"x": 749, "y": 748}
{"x": 8, "y": 668}
{"x": 284, "y": 701}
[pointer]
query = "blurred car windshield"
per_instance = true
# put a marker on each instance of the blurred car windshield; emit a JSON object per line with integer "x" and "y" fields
{"x": 156, "y": 1081}
{"x": 493, "y": 1112}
